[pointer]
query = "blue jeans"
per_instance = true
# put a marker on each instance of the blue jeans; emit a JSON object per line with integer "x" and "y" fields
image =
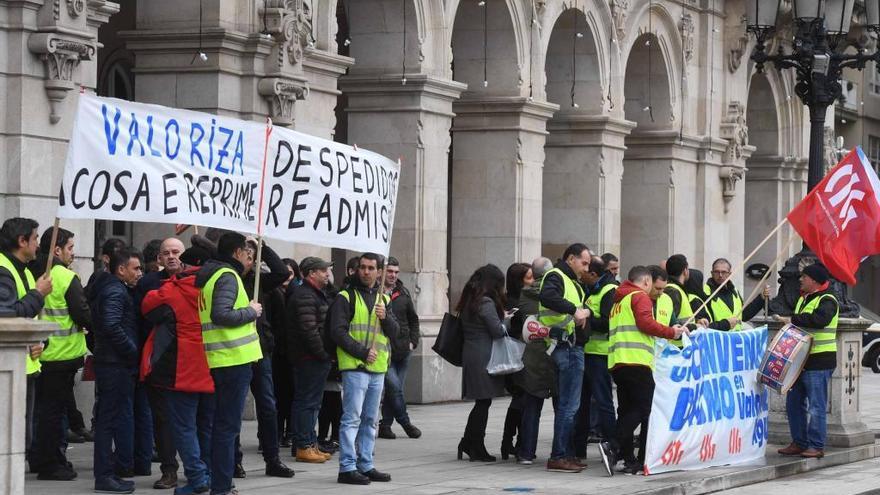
{"x": 263, "y": 389}
{"x": 569, "y": 378}
{"x": 394, "y": 405}
{"x": 597, "y": 386}
{"x": 361, "y": 394}
{"x": 143, "y": 429}
{"x": 308, "y": 391}
{"x": 114, "y": 419}
{"x": 231, "y": 386}
{"x": 527, "y": 442}
{"x": 190, "y": 416}
{"x": 808, "y": 395}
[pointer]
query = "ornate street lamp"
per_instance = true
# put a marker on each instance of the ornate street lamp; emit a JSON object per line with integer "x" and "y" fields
{"x": 818, "y": 57}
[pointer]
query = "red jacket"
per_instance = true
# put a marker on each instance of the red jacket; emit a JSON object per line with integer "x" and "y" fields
{"x": 174, "y": 355}
{"x": 643, "y": 309}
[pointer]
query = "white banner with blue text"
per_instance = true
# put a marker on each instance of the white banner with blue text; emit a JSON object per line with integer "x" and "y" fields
{"x": 708, "y": 407}
{"x": 148, "y": 163}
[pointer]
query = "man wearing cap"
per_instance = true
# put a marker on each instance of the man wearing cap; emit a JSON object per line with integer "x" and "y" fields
{"x": 306, "y": 312}
{"x": 816, "y": 312}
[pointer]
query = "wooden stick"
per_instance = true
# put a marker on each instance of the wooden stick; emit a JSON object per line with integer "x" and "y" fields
{"x": 52, "y": 245}
{"x": 783, "y": 253}
{"x": 196, "y": 229}
{"x": 374, "y": 329}
{"x": 734, "y": 270}
{"x": 257, "y": 262}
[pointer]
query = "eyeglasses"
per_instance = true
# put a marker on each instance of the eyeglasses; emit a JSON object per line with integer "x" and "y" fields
{"x": 719, "y": 272}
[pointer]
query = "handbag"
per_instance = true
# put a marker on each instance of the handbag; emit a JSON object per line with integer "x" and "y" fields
{"x": 450, "y": 340}
{"x": 506, "y": 356}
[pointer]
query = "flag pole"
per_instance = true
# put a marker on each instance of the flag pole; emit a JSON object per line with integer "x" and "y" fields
{"x": 734, "y": 270}
{"x": 375, "y": 327}
{"x": 51, "y": 256}
{"x": 758, "y": 287}
{"x": 259, "y": 258}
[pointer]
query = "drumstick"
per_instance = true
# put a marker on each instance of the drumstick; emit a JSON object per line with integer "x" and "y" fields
{"x": 766, "y": 276}
{"x": 734, "y": 270}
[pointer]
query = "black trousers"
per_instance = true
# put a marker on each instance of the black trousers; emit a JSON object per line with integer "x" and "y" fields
{"x": 162, "y": 430}
{"x": 75, "y": 420}
{"x": 330, "y": 415}
{"x": 283, "y": 382}
{"x": 477, "y": 420}
{"x": 53, "y": 389}
{"x": 635, "y": 391}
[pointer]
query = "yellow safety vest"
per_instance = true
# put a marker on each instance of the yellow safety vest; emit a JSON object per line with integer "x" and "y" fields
{"x": 227, "y": 346}
{"x": 663, "y": 312}
{"x": 719, "y": 309}
{"x": 628, "y": 344}
{"x": 31, "y": 365}
{"x": 824, "y": 339}
{"x": 69, "y": 342}
{"x": 574, "y": 294}
{"x": 685, "y": 311}
{"x": 598, "y": 343}
{"x": 366, "y": 329}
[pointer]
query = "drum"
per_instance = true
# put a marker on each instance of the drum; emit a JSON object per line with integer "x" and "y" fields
{"x": 785, "y": 358}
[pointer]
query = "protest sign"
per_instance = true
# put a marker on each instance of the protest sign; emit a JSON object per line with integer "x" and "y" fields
{"x": 708, "y": 407}
{"x": 137, "y": 162}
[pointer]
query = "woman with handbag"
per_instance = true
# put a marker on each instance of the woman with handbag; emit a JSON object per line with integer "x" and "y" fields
{"x": 481, "y": 309}
{"x": 519, "y": 276}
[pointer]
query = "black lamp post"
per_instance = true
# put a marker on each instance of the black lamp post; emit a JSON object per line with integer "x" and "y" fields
{"x": 818, "y": 58}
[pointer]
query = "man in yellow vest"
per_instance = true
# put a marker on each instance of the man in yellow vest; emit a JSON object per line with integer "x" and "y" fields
{"x": 562, "y": 309}
{"x": 601, "y": 284}
{"x": 816, "y": 312}
{"x": 726, "y": 310}
{"x": 631, "y": 361}
{"x": 63, "y": 355}
{"x": 231, "y": 342}
{"x": 363, "y": 331}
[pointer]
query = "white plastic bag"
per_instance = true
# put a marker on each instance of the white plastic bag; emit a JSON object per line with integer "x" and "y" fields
{"x": 506, "y": 356}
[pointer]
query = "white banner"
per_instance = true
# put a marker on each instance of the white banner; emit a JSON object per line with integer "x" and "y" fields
{"x": 137, "y": 162}
{"x": 708, "y": 407}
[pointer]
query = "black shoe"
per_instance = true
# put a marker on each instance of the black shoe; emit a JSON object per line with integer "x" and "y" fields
{"x": 609, "y": 458}
{"x": 113, "y": 485}
{"x": 284, "y": 443}
{"x": 239, "y": 472}
{"x": 168, "y": 480}
{"x": 630, "y": 468}
{"x": 412, "y": 431}
{"x": 374, "y": 475}
{"x": 352, "y": 478}
{"x": 479, "y": 452}
{"x": 73, "y": 437}
{"x": 386, "y": 433}
{"x": 464, "y": 447}
{"x": 507, "y": 449}
{"x": 85, "y": 434}
{"x": 124, "y": 473}
{"x": 328, "y": 446}
{"x": 58, "y": 474}
{"x": 277, "y": 469}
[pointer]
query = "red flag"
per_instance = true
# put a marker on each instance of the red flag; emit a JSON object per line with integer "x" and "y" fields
{"x": 840, "y": 218}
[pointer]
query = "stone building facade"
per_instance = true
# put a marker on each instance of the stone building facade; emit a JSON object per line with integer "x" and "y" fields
{"x": 637, "y": 126}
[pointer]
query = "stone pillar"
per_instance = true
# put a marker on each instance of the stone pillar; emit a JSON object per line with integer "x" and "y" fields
{"x": 844, "y": 420}
{"x": 15, "y": 335}
{"x": 412, "y": 121}
{"x": 583, "y": 166}
{"x": 497, "y": 157}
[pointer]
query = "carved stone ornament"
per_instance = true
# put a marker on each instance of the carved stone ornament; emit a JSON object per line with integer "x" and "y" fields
{"x": 282, "y": 94}
{"x": 76, "y": 7}
{"x": 736, "y": 132}
{"x": 290, "y": 24}
{"x": 619, "y": 11}
{"x": 686, "y": 29}
{"x": 61, "y": 56}
{"x": 738, "y": 48}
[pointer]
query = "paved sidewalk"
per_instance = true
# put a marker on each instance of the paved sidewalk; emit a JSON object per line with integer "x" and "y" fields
{"x": 428, "y": 465}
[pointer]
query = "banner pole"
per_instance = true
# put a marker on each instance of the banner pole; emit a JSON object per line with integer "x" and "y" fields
{"x": 734, "y": 270}
{"x": 259, "y": 259}
{"x": 758, "y": 287}
{"x": 51, "y": 256}
{"x": 375, "y": 328}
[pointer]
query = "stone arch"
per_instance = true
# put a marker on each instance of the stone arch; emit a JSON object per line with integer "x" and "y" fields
{"x": 376, "y": 30}
{"x": 573, "y": 73}
{"x": 494, "y": 49}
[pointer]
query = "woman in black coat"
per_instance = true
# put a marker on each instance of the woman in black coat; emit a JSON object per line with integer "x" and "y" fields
{"x": 481, "y": 309}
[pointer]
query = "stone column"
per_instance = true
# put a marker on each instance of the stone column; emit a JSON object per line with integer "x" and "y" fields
{"x": 497, "y": 157}
{"x": 412, "y": 121}
{"x": 15, "y": 335}
{"x": 582, "y": 172}
{"x": 844, "y": 420}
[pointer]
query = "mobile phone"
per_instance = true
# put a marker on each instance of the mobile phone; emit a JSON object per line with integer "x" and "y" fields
{"x": 512, "y": 311}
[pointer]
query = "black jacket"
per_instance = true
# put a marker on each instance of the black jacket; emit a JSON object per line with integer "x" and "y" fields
{"x": 726, "y": 294}
{"x": 225, "y": 294}
{"x": 408, "y": 320}
{"x": 147, "y": 283}
{"x": 77, "y": 306}
{"x": 114, "y": 322}
{"x": 306, "y": 311}
{"x": 11, "y": 306}
{"x": 819, "y": 318}
{"x": 599, "y": 322}
{"x": 269, "y": 281}
{"x": 340, "y": 315}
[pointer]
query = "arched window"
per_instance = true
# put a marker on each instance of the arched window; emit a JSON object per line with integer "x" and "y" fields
{"x": 118, "y": 81}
